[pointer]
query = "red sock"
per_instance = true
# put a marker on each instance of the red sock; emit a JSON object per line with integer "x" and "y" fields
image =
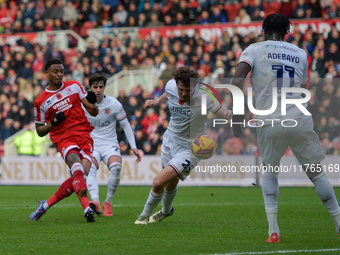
{"x": 79, "y": 186}
{"x": 65, "y": 190}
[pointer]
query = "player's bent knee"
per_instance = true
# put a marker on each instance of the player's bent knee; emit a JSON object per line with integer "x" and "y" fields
{"x": 158, "y": 183}
{"x": 316, "y": 177}
{"x": 115, "y": 169}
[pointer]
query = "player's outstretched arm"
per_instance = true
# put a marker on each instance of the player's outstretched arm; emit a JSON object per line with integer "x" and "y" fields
{"x": 152, "y": 103}
{"x": 90, "y": 103}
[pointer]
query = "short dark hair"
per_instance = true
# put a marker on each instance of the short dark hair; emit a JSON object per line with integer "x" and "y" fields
{"x": 276, "y": 23}
{"x": 184, "y": 74}
{"x": 97, "y": 77}
{"x": 52, "y": 61}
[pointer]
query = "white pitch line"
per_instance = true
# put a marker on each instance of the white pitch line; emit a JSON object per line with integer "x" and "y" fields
{"x": 277, "y": 252}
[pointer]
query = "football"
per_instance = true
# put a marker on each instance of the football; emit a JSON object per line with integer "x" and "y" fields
{"x": 203, "y": 147}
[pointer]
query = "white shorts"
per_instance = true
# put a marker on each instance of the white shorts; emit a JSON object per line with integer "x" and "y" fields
{"x": 303, "y": 141}
{"x": 105, "y": 152}
{"x": 178, "y": 157}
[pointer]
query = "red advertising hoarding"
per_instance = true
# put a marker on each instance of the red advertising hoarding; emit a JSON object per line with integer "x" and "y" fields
{"x": 212, "y": 30}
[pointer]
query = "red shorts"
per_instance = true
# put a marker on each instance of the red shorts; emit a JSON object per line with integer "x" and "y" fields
{"x": 83, "y": 143}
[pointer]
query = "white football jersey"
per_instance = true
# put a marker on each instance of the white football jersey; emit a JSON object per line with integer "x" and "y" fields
{"x": 186, "y": 121}
{"x": 110, "y": 110}
{"x": 276, "y": 64}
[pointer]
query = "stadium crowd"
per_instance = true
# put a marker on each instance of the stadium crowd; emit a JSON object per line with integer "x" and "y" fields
{"x": 22, "y": 76}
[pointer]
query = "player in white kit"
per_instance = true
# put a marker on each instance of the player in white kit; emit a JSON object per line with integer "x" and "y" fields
{"x": 277, "y": 64}
{"x": 186, "y": 122}
{"x": 106, "y": 145}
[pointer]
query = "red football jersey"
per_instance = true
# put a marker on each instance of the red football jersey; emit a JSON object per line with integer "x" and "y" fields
{"x": 66, "y": 99}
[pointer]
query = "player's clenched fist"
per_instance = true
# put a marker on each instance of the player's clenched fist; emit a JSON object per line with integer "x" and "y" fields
{"x": 91, "y": 97}
{"x": 149, "y": 103}
{"x": 58, "y": 118}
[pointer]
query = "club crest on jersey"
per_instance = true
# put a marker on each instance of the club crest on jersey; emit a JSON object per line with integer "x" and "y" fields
{"x": 59, "y": 96}
{"x": 69, "y": 91}
{"x": 107, "y": 110}
{"x": 192, "y": 103}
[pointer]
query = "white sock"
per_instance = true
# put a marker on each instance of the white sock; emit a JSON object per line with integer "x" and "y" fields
{"x": 45, "y": 205}
{"x": 326, "y": 193}
{"x": 113, "y": 181}
{"x": 167, "y": 201}
{"x": 151, "y": 203}
{"x": 92, "y": 184}
{"x": 270, "y": 192}
{"x": 86, "y": 209}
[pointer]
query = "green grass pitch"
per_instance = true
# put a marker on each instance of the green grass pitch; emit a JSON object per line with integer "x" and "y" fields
{"x": 207, "y": 220}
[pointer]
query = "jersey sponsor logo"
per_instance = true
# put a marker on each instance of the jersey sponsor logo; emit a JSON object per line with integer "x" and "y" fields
{"x": 107, "y": 110}
{"x": 62, "y": 105}
{"x": 283, "y": 56}
{"x": 179, "y": 111}
{"x": 100, "y": 124}
{"x": 270, "y": 46}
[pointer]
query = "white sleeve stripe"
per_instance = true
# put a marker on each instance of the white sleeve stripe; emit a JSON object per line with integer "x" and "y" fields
{"x": 39, "y": 122}
{"x": 218, "y": 107}
{"x": 123, "y": 118}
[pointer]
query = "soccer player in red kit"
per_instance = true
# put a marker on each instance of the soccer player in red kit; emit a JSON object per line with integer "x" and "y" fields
{"x": 58, "y": 111}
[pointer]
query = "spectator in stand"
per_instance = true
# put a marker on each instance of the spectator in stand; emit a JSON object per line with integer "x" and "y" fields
{"x": 159, "y": 90}
{"x": 132, "y": 106}
{"x": 316, "y": 66}
{"x": 316, "y": 8}
{"x": 121, "y": 14}
{"x": 243, "y": 17}
{"x": 204, "y": 18}
{"x": 122, "y": 98}
{"x": 168, "y": 73}
{"x": 154, "y": 22}
{"x": 58, "y": 10}
{"x": 333, "y": 53}
{"x": 150, "y": 116}
{"x": 217, "y": 16}
{"x": 141, "y": 21}
{"x": 327, "y": 146}
{"x": 7, "y": 130}
{"x": 332, "y": 12}
{"x": 132, "y": 11}
{"x": 168, "y": 20}
{"x": 69, "y": 12}
{"x": 333, "y": 36}
{"x": 300, "y": 10}
{"x": 78, "y": 73}
{"x": 55, "y": 53}
{"x": 26, "y": 71}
